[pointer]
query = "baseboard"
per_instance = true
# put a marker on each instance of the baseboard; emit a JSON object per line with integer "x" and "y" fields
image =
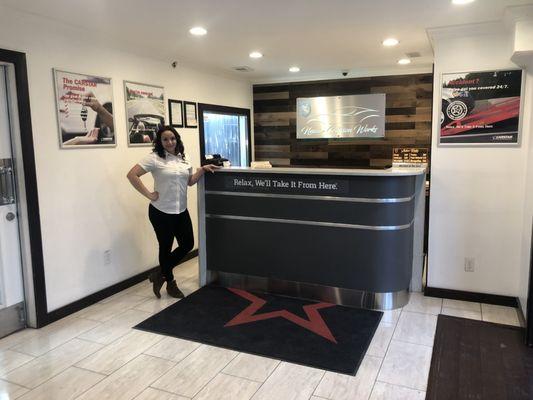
{"x": 104, "y": 293}
{"x": 472, "y": 296}
{"x": 520, "y": 313}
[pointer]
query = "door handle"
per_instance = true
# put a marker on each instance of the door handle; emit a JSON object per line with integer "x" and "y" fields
{"x": 10, "y": 216}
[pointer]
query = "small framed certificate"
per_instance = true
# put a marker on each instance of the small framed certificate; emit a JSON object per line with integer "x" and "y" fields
{"x": 175, "y": 113}
{"x": 191, "y": 119}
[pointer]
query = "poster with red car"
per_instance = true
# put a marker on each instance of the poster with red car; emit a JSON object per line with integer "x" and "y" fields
{"x": 481, "y": 107}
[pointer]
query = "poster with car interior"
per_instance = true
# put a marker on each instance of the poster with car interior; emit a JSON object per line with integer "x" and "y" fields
{"x": 84, "y": 106}
{"x": 145, "y": 112}
{"x": 481, "y": 108}
{"x": 341, "y": 117}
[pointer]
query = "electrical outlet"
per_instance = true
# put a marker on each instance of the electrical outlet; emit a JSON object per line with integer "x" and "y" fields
{"x": 470, "y": 264}
{"x": 107, "y": 257}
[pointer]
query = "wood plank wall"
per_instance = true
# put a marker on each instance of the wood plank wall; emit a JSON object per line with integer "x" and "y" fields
{"x": 407, "y": 123}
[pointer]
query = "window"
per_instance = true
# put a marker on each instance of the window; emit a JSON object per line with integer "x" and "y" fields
{"x": 225, "y": 131}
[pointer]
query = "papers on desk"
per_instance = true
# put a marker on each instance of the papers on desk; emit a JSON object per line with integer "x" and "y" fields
{"x": 260, "y": 164}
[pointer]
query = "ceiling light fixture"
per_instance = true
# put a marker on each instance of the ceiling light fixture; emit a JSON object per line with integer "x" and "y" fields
{"x": 462, "y": 2}
{"x": 255, "y": 54}
{"x": 294, "y": 69}
{"x": 197, "y": 31}
{"x": 390, "y": 42}
{"x": 404, "y": 61}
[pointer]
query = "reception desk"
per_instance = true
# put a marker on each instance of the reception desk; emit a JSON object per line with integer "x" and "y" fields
{"x": 352, "y": 237}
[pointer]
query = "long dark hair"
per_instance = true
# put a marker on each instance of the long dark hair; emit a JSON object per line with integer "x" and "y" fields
{"x": 158, "y": 145}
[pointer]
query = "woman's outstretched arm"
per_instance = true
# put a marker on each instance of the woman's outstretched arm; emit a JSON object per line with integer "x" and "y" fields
{"x": 200, "y": 172}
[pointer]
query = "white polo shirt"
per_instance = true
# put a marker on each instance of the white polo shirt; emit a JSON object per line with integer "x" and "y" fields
{"x": 171, "y": 178}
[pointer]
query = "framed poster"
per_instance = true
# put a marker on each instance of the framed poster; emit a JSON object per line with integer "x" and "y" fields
{"x": 84, "y": 105}
{"x": 481, "y": 108}
{"x": 145, "y": 112}
{"x": 175, "y": 113}
{"x": 191, "y": 119}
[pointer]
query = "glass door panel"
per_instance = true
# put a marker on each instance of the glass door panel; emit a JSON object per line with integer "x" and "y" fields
{"x": 12, "y": 313}
{"x": 225, "y": 131}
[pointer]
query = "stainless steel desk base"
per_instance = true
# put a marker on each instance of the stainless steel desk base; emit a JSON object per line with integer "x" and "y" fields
{"x": 335, "y": 295}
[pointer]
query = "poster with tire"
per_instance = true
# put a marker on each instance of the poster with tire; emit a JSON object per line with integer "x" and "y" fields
{"x": 481, "y": 108}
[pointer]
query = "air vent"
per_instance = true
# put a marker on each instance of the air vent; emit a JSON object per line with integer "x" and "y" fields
{"x": 243, "y": 68}
{"x": 414, "y": 54}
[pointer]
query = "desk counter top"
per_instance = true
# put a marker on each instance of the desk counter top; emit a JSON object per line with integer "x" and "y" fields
{"x": 395, "y": 171}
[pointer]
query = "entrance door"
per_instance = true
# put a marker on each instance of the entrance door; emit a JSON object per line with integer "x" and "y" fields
{"x": 12, "y": 307}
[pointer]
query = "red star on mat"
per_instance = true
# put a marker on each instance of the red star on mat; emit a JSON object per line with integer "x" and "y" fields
{"x": 315, "y": 323}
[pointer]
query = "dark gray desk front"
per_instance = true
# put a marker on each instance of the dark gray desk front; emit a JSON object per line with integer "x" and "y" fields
{"x": 341, "y": 238}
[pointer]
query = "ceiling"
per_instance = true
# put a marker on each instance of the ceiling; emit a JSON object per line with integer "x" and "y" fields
{"x": 321, "y": 37}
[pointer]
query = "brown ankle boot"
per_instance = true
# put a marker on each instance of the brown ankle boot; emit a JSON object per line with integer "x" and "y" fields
{"x": 174, "y": 291}
{"x": 157, "y": 280}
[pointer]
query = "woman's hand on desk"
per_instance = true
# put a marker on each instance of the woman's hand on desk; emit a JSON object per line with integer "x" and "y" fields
{"x": 210, "y": 168}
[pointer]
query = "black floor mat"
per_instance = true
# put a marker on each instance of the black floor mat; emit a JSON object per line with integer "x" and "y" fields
{"x": 319, "y": 335}
{"x": 479, "y": 360}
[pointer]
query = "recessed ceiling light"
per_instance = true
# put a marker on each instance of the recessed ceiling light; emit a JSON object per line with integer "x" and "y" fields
{"x": 294, "y": 69}
{"x": 197, "y": 31}
{"x": 255, "y": 54}
{"x": 461, "y": 2}
{"x": 390, "y": 42}
{"x": 404, "y": 61}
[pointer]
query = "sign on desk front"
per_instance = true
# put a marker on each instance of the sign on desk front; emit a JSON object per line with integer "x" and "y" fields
{"x": 287, "y": 184}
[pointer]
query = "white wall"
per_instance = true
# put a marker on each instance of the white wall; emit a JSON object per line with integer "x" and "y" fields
{"x": 86, "y": 204}
{"x": 528, "y": 206}
{"x": 477, "y": 193}
{"x": 520, "y": 20}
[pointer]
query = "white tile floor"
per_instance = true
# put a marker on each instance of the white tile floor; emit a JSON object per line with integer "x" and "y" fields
{"x": 95, "y": 354}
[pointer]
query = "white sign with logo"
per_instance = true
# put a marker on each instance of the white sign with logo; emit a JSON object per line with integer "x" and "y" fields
{"x": 340, "y": 117}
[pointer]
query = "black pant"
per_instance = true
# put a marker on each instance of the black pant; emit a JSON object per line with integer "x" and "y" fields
{"x": 167, "y": 227}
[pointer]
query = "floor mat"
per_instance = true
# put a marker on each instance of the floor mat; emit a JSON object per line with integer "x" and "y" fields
{"x": 479, "y": 360}
{"x": 320, "y": 335}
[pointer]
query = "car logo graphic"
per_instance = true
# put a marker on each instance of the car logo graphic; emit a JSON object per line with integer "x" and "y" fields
{"x": 304, "y": 108}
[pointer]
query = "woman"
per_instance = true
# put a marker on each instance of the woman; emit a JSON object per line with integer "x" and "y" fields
{"x": 168, "y": 203}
